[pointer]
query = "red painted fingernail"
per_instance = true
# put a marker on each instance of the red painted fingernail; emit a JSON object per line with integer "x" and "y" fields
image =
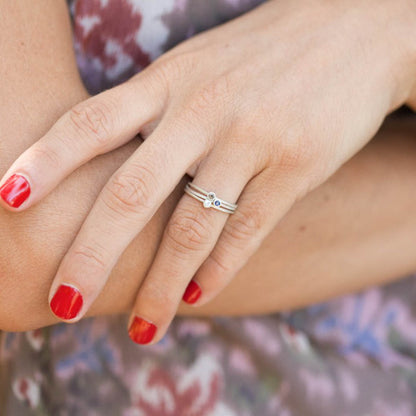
{"x": 192, "y": 293}
{"x": 142, "y": 331}
{"x": 67, "y": 302}
{"x": 15, "y": 191}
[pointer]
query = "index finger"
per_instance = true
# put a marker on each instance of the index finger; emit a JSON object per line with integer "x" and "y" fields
{"x": 122, "y": 209}
{"x": 92, "y": 127}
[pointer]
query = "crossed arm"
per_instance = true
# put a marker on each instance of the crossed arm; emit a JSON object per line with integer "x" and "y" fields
{"x": 355, "y": 230}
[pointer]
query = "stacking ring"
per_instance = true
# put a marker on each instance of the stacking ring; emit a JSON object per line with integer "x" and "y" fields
{"x": 209, "y": 199}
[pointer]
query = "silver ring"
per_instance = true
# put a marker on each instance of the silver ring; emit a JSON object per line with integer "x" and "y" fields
{"x": 209, "y": 199}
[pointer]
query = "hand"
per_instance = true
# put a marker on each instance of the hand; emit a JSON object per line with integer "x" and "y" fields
{"x": 261, "y": 122}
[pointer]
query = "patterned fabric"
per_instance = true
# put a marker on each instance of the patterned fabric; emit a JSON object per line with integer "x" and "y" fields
{"x": 353, "y": 356}
{"x": 116, "y": 39}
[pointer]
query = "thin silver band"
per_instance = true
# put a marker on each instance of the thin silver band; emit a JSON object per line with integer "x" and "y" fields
{"x": 209, "y": 199}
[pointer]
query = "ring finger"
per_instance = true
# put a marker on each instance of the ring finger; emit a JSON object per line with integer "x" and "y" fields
{"x": 189, "y": 238}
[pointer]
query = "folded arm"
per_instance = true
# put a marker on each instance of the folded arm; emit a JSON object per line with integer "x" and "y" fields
{"x": 355, "y": 230}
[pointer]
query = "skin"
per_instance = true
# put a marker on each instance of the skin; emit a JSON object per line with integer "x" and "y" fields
{"x": 219, "y": 121}
{"x": 345, "y": 218}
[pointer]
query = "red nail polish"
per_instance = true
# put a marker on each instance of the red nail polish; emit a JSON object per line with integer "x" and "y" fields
{"x": 15, "y": 191}
{"x": 192, "y": 293}
{"x": 67, "y": 302}
{"x": 142, "y": 331}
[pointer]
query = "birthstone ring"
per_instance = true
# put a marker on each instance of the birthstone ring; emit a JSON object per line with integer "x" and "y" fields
{"x": 209, "y": 199}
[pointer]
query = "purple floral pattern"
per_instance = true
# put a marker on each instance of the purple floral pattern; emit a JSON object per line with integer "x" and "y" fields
{"x": 353, "y": 356}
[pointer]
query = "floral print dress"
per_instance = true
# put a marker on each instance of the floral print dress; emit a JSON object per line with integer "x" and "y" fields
{"x": 353, "y": 356}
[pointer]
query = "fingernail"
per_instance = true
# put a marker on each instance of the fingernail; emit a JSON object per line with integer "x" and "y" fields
{"x": 192, "y": 293}
{"x": 15, "y": 191}
{"x": 67, "y": 302}
{"x": 142, "y": 331}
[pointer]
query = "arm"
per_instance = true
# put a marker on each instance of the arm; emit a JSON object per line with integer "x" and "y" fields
{"x": 342, "y": 237}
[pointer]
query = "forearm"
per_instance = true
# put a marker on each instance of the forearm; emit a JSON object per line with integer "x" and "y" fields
{"x": 38, "y": 72}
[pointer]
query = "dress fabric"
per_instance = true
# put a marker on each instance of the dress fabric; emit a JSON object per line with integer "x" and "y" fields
{"x": 352, "y": 356}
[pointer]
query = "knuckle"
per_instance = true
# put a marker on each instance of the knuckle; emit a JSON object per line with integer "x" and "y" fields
{"x": 210, "y": 96}
{"x": 160, "y": 74}
{"x": 243, "y": 227}
{"x": 173, "y": 66}
{"x": 47, "y": 155}
{"x": 160, "y": 295}
{"x": 131, "y": 192}
{"x": 94, "y": 120}
{"x": 297, "y": 153}
{"x": 222, "y": 267}
{"x": 188, "y": 231}
{"x": 152, "y": 83}
{"x": 89, "y": 258}
{"x": 209, "y": 93}
{"x": 164, "y": 73}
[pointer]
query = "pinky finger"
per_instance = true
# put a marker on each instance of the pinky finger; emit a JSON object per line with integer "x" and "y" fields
{"x": 258, "y": 212}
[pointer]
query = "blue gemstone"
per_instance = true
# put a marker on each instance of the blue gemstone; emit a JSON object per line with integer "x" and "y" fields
{"x": 217, "y": 203}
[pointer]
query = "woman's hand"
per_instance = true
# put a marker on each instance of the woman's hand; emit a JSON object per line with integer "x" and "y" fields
{"x": 262, "y": 109}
